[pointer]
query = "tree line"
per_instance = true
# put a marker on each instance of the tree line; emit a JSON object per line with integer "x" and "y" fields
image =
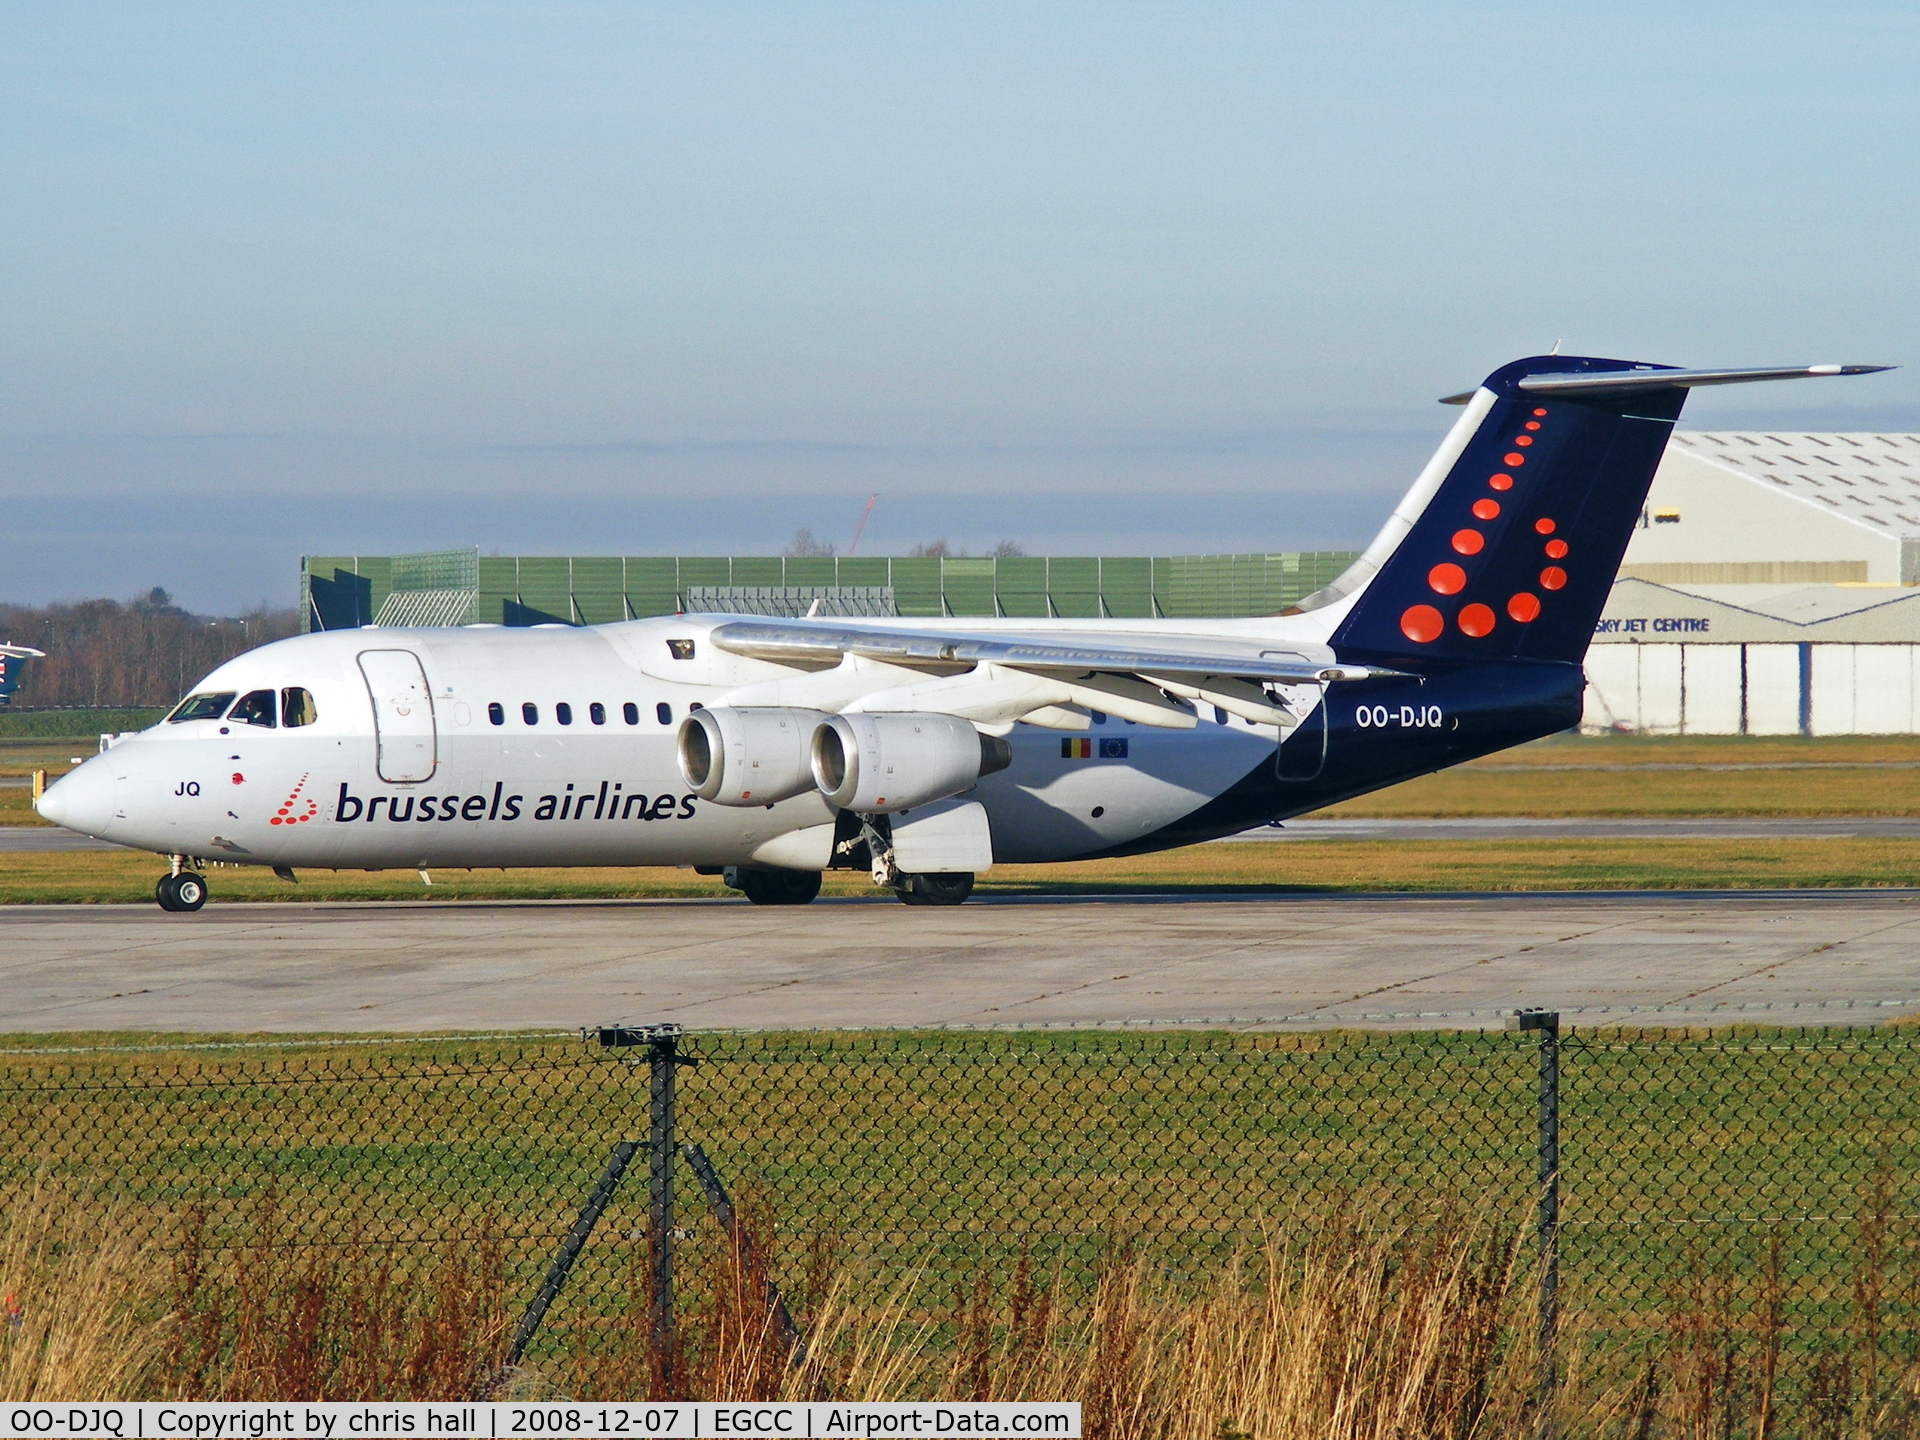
{"x": 145, "y": 651}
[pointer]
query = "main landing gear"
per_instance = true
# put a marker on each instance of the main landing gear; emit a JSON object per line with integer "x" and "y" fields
{"x": 800, "y": 887}
{"x": 860, "y": 842}
{"x": 935, "y": 889}
{"x": 774, "y": 887}
{"x": 181, "y": 891}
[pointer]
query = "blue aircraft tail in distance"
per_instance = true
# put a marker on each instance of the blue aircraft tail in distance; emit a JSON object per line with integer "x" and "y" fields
{"x": 1509, "y": 543}
{"x": 13, "y": 662}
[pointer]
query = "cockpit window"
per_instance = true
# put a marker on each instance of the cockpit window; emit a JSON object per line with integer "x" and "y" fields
{"x": 296, "y": 707}
{"x": 256, "y": 707}
{"x": 210, "y": 706}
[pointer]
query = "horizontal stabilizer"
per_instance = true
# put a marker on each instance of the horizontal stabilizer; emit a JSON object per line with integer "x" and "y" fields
{"x": 1658, "y": 377}
{"x": 1626, "y": 382}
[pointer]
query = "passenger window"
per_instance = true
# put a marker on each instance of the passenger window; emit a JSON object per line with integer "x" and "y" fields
{"x": 530, "y": 713}
{"x": 597, "y": 713}
{"x": 496, "y": 713}
{"x": 256, "y": 707}
{"x": 664, "y": 712}
{"x": 297, "y": 707}
{"x": 563, "y": 712}
{"x": 630, "y": 713}
{"x": 210, "y": 706}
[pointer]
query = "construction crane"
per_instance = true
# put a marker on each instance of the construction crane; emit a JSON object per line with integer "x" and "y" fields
{"x": 861, "y": 528}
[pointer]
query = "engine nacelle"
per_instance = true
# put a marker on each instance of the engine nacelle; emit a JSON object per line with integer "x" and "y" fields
{"x": 751, "y": 756}
{"x": 882, "y": 763}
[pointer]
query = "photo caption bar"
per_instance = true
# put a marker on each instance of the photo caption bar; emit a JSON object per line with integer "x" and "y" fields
{"x": 425, "y": 1420}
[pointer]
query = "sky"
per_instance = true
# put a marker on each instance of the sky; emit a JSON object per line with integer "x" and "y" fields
{"x": 1106, "y": 278}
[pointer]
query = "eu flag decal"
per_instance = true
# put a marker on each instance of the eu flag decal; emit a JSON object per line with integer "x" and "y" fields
{"x": 1076, "y": 749}
{"x": 1113, "y": 749}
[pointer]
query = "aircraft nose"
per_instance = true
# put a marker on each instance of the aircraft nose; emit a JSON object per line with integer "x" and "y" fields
{"x": 80, "y": 800}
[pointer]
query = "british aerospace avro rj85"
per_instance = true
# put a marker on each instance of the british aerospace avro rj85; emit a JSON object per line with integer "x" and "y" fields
{"x": 770, "y": 750}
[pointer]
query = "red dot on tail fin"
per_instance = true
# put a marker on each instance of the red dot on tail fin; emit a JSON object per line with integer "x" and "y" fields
{"x": 1421, "y": 624}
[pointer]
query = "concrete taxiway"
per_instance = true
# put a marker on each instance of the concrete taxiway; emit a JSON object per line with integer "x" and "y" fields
{"x": 1817, "y": 957}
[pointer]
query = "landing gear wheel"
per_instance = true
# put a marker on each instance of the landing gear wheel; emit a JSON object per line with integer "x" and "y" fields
{"x": 937, "y": 889}
{"x": 779, "y": 887}
{"x": 183, "y": 892}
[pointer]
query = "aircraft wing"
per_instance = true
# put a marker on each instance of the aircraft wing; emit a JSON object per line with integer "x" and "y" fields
{"x": 819, "y": 640}
{"x": 1051, "y": 678}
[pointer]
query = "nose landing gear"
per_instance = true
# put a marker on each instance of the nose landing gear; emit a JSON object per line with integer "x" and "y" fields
{"x": 180, "y": 891}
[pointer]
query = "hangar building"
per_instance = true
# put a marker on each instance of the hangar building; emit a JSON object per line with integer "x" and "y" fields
{"x": 1770, "y": 589}
{"x": 1731, "y": 508}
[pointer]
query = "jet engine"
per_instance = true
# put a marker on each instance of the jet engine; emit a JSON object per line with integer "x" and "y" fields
{"x": 751, "y": 756}
{"x": 882, "y": 763}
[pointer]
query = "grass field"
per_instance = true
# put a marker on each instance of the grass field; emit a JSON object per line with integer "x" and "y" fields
{"x": 1230, "y": 868}
{"x": 64, "y": 725}
{"x": 22, "y": 757}
{"x": 1853, "y": 775}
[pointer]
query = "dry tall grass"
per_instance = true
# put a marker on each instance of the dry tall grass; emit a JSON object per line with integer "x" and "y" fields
{"x": 268, "y": 1320}
{"x": 1336, "y": 1331}
{"x": 1351, "y": 1328}
{"x": 76, "y": 1315}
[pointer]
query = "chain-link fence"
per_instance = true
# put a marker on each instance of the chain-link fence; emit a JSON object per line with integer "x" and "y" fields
{"x": 929, "y": 1154}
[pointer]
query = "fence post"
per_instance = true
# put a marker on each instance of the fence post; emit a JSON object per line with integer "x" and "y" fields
{"x": 1547, "y": 1216}
{"x": 663, "y": 1043}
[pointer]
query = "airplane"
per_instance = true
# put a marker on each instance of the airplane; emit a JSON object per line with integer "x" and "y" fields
{"x": 767, "y": 750}
{"x": 12, "y": 658}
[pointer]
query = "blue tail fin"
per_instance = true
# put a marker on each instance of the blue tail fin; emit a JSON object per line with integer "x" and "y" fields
{"x": 1515, "y": 550}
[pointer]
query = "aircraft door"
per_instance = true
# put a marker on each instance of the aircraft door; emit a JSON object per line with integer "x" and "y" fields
{"x": 402, "y": 715}
{"x": 1303, "y": 749}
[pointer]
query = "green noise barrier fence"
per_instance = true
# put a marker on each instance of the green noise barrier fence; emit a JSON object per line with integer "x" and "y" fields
{"x": 927, "y": 1154}
{"x": 464, "y": 587}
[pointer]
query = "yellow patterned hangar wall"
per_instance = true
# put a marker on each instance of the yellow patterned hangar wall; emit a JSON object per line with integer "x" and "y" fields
{"x": 463, "y": 587}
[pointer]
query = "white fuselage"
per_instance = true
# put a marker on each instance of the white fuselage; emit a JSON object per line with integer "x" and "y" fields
{"x": 525, "y": 789}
